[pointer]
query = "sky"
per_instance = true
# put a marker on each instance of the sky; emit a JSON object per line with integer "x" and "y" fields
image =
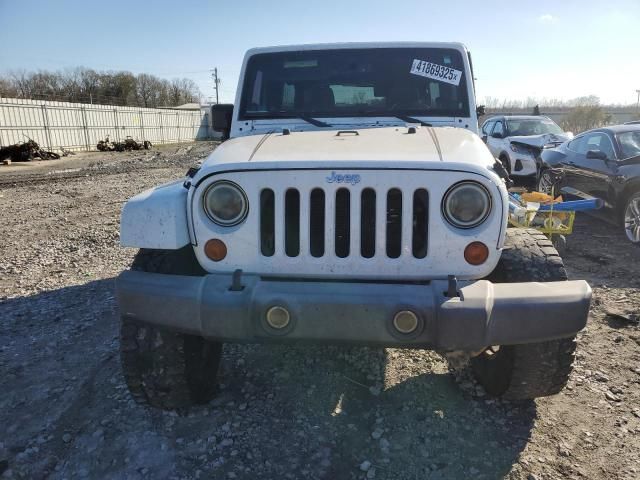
{"x": 553, "y": 49}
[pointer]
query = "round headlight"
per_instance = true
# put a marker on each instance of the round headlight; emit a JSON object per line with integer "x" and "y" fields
{"x": 466, "y": 205}
{"x": 225, "y": 203}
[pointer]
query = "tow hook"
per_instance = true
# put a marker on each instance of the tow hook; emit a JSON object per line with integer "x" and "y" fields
{"x": 452, "y": 289}
{"x": 236, "y": 281}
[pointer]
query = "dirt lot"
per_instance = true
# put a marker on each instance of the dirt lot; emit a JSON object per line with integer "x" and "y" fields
{"x": 283, "y": 412}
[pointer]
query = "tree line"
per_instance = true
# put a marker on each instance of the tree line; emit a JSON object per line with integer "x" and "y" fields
{"x": 85, "y": 85}
{"x": 496, "y": 103}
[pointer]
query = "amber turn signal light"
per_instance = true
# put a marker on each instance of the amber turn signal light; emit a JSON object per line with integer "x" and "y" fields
{"x": 215, "y": 249}
{"x": 476, "y": 253}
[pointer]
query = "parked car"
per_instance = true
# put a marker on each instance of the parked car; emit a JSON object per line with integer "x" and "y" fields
{"x": 517, "y": 141}
{"x": 602, "y": 163}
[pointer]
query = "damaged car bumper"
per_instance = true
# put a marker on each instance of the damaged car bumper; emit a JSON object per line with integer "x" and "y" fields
{"x": 524, "y": 159}
{"x": 431, "y": 315}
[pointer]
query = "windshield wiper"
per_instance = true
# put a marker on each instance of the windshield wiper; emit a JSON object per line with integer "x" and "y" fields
{"x": 406, "y": 118}
{"x": 314, "y": 121}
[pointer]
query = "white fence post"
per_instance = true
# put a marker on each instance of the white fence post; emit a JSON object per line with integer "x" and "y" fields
{"x": 115, "y": 124}
{"x": 46, "y": 126}
{"x": 141, "y": 125}
{"x": 85, "y": 127}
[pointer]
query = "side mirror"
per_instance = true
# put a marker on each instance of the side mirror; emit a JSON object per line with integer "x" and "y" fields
{"x": 221, "y": 116}
{"x": 484, "y": 138}
{"x": 480, "y": 110}
{"x": 597, "y": 154}
{"x": 497, "y": 135}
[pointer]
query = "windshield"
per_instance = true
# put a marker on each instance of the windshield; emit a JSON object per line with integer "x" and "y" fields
{"x": 629, "y": 143}
{"x": 532, "y": 126}
{"x": 355, "y": 82}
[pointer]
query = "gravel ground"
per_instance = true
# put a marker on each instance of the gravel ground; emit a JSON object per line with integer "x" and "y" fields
{"x": 283, "y": 412}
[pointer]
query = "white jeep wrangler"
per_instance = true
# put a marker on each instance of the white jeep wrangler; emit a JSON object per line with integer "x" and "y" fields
{"x": 354, "y": 203}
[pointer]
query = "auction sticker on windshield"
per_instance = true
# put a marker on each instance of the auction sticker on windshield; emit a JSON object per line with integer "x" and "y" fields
{"x": 436, "y": 72}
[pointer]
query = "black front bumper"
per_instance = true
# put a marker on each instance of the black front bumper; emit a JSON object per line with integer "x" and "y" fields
{"x": 357, "y": 312}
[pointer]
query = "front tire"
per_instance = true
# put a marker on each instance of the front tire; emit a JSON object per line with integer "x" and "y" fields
{"x": 164, "y": 368}
{"x": 520, "y": 372}
{"x": 545, "y": 182}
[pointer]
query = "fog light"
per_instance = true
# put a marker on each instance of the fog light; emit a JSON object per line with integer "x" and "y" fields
{"x": 405, "y": 321}
{"x": 215, "y": 249}
{"x": 476, "y": 253}
{"x": 278, "y": 317}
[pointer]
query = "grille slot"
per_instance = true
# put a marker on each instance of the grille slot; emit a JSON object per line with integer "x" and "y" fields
{"x": 394, "y": 223}
{"x": 343, "y": 219}
{"x": 368, "y": 223}
{"x": 420, "y": 222}
{"x": 292, "y": 223}
{"x": 267, "y": 222}
{"x": 316, "y": 222}
{"x": 320, "y": 222}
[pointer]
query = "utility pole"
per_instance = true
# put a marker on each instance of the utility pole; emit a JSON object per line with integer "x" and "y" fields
{"x": 638, "y": 102}
{"x": 216, "y": 83}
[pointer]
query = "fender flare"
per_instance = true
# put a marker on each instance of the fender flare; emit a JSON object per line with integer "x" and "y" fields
{"x": 156, "y": 218}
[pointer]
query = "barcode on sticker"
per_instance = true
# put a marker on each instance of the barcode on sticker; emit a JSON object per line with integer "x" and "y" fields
{"x": 437, "y": 72}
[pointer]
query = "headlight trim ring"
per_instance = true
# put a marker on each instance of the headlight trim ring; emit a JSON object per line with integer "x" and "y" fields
{"x": 481, "y": 219}
{"x": 216, "y": 219}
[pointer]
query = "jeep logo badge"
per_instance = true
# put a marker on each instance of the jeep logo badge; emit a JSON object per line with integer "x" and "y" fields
{"x": 348, "y": 178}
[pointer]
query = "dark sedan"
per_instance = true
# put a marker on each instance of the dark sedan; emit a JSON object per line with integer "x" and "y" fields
{"x": 602, "y": 163}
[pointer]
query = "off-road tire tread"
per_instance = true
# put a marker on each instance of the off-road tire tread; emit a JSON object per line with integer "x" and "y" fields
{"x": 174, "y": 262}
{"x": 537, "y": 369}
{"x": 163, "y": 368}
{"x": 528, "y": 256}
{"x": 540, "y": 369}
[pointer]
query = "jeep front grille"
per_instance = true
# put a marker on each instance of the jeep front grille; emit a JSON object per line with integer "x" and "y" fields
{"x": 378, "y": 224}
{"x": 345, "y": 223}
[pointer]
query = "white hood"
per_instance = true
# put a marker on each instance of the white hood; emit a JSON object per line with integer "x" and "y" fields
{"x": 430, "y": 148}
